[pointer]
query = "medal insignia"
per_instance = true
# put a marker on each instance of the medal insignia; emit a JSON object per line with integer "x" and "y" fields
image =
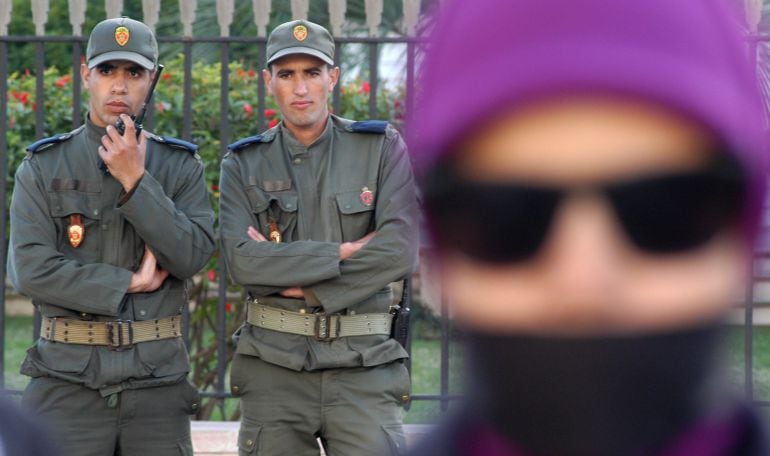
{"x": 366, "y": 196}
{"x": 122, "y": 35}
{"x": 76, "y": 231}
{"x": 275, "y": 235}
{"x": 300, "y": 32}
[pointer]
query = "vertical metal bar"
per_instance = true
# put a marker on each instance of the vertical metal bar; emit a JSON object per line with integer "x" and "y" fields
{"x": 77, "y": 52}
{"x": 409, "y": 96}
{"x": 187, "y": 99}
{"x": 444, "y": 355}
{"x": 261, "y": 63}
{"x": 748, "y": 333}
{"x": 373, "y": 79}
{"x": 3, "y": 197}
{"x": 336, "y": 94}
{"x": 39, "y": 90}
{"x": 224, "y": 133}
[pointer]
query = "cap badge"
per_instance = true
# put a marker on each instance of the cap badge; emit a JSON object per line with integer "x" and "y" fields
{"x": 122, "y": 35}
{"x": 300, "y": 32}
{"x": 366, "y": 196}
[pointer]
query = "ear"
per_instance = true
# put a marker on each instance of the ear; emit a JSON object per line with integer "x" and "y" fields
{"x": 267, "y": 77}
{"x": 85, "y": 74}
{"x": 334, "y": 76}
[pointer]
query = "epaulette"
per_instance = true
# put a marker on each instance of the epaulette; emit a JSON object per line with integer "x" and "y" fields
{"x": 176, "y": 143}
{"x": 265, "y": 137}
{"x": 45, "y": 143}
{"x": 369, "y": 126}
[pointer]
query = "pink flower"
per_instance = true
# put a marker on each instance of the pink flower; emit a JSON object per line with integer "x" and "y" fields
{"x": 365, "y": 88}
{"x": 269, "y": 112}
{"x": 248, "y": 110}
{"x": 212, "y": 275}
{"x": 228, "y": 307}
{"x": 272, "y": 123}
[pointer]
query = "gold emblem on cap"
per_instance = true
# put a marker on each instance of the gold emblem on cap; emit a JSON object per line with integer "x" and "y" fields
{"x": 300, "y": 32}
{"x": 122, "y": 35}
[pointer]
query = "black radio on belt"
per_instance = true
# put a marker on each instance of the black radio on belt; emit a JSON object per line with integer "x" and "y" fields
{"x": 138, "y": 119}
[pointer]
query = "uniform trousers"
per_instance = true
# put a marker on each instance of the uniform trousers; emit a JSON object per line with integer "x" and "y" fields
{"x": 353, "y": 411}
{"x": 149, "y": 421}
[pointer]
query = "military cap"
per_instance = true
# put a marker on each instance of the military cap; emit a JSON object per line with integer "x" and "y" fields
{"x": 300, "y": 37}
{"x": 122, "y": 38}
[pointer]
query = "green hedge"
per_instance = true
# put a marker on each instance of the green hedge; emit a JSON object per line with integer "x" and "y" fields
{"x": 168, "y": 101}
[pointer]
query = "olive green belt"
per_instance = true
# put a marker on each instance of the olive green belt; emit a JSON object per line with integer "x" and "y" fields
{"x": 116, "y": 335}
{"x": 320, "y": 326}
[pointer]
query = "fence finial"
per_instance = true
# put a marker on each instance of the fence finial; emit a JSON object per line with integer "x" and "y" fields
{"x": 753, "y": 14}
{"x": 114, "y": 8}
{"x": 187, "y": 15}
{"x": 39, "y": 15}
{"x": 299, "y": 9}
{"x": 6, "y": 8}
{"x": 261, "y": 15}
{"x": 224, "y": 16}
{"x": 373, "y": 15}
{"x": 77, "y": 16}
{"x": 411, "y": 16}
{"x": 151, "y": 12}
{"x": 337, "y": 10}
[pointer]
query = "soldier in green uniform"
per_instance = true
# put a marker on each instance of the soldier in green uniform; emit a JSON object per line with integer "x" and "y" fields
{"x": 106, "y": 231}
{"x": 318, "y": 224}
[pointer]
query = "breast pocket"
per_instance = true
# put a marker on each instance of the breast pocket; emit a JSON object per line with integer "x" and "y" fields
{"x": 67, "y": 208}
{"x": 356, "y": 212}
{"x": 274, "y": 211}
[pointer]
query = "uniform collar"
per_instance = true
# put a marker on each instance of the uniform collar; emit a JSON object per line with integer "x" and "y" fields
{"x": 297, "y": 148}
{"x": 94, "y": 135}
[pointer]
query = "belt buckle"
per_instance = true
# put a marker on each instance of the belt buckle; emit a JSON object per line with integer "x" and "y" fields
{"x": 323, "y": 327}
{"x": 117, "y": 343}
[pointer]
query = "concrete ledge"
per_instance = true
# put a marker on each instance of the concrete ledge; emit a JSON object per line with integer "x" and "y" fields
{"x": 220, "y": 438}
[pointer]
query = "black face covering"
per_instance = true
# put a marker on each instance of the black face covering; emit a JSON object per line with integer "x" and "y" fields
{"x": 609, "y": 395}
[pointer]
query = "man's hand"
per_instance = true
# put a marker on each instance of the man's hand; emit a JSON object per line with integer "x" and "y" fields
{"x": 347, "y": 249}
{"x": 149, "y": 277}
{"x": 292, "y": 292}
{"x": 123, "y": 155}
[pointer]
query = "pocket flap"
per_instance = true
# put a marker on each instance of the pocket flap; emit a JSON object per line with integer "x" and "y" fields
{"x": 248, "y": 437}
{"x": 66, "y": 203}
{"x": 355, "y": 201}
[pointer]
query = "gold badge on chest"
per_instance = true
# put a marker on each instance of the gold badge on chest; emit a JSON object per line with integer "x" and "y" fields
{"x": 76, "y": 230}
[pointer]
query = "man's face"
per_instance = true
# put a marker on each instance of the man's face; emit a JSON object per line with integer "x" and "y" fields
{"x": 587, "y": 277}
{"x": 116, "y": 87}
{"x": 301, "y": 85}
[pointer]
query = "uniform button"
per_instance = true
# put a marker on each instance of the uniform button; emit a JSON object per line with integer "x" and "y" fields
{"x": 195, "y": 406}
{"x": 143, "y": 312}
{"x": 249, "y": 442}
{"x": 347, "y": 206}
{"x": 405, "y": 398}
{"x": 235, "y": 388}
{"x": 297, "y": 161}
{"x": 96, "y": 211}
{"x": 288, "y": 206}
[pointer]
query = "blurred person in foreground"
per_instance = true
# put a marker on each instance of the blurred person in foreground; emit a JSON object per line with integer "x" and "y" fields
{"x": 593, "y": 177}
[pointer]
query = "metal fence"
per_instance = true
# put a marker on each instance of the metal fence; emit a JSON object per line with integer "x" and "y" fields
{"x": 224, "y": 42}
{"x": 371, "y": 43}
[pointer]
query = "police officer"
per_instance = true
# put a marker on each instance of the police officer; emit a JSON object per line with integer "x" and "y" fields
{"x": 107, "y": 230}
{"x": 318, "y": 223}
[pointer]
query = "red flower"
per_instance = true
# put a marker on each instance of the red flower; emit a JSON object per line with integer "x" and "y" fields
{"x": 212, "y": 275}
{"x": 252, "y": 73}
{"x": 241, "y": 73}
{"x": 63, "y": 81}
{"x": 272, "y": 123}
{"x": 34, "y": 106}
{"x": 228, "y": 307}
{"x": 269, "y": 112}
{"x": 166, "y": 76}
{"x": 214, "y": 187}
{"x": 365, "y": 88}
{"x": 160, "y": 106}
{"x": 248, "y": 110}
{"x": 397, "y": 104}
{"x": 23, "y": 97}
{"x": 26, "y": 72}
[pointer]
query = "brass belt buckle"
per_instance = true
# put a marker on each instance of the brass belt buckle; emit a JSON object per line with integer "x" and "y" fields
{"x": 323, "y": 327}
{"x": 117, "y": 343}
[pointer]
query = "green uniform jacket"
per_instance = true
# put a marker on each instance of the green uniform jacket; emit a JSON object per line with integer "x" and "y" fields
{"x": 169, "y": 210}
{"x": 354, "y": 179}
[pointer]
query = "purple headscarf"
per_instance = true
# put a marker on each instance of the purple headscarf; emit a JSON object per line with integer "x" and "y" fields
{"x": 487, "y": 56}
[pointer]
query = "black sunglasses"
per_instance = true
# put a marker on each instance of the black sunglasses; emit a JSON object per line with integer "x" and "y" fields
{"x": 501, "y": 222}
